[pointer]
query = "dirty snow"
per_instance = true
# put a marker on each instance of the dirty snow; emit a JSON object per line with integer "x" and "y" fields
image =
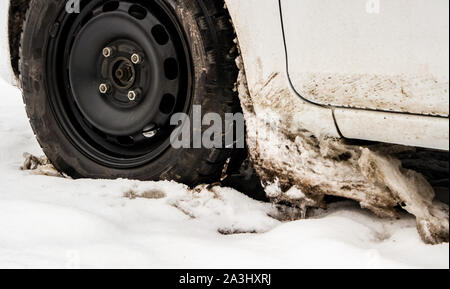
{"x": 314, "y": 166}
{"x": 50, "y": 221}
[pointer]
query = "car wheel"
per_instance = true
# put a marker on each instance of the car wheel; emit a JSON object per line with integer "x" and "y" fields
{"x": 100, "y": 86}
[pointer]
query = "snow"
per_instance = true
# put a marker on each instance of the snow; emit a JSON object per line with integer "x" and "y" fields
{"x": 48, "y": 222}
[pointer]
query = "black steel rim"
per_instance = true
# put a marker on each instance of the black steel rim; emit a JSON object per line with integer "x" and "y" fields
{"x": 113, "y": 107}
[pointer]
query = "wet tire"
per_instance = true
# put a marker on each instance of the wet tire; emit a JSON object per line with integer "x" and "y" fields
{"x": 61, "y": 87}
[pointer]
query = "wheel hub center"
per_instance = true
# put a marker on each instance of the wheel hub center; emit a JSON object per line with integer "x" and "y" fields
{"x": 123, "y": 73}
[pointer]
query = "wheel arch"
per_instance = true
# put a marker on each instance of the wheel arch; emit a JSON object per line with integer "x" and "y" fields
{"x": 258, "y": 27}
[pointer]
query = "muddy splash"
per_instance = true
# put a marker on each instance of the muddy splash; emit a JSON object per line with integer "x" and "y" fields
{"x": 302, "y": 168}
{"x": 400, "y": 93}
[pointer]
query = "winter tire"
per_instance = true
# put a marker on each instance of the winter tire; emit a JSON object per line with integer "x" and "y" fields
{"x": 101, "y": 85}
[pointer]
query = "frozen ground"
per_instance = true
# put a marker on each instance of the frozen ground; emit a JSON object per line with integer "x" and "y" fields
{"x": 57, "y": 222}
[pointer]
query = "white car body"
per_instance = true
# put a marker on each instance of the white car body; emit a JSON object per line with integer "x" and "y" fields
{"x": 374, "y": 70}
{"x": 6, "y": 72}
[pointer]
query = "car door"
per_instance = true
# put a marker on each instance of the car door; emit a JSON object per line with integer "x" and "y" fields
{"x": 381, "y": 55}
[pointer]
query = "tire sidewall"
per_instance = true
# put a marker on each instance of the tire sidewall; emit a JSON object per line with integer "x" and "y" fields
{"x": 57, "y": 146}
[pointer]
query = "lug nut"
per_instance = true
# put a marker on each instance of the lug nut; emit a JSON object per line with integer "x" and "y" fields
{"x": 132, "y": 95}
{"x": 103, "y": 88}
{"x": 136, "y": 58}
{"x": 107, "y": 52}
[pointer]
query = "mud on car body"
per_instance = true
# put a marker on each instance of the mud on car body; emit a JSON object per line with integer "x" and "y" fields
{"x": 328, "y": 104}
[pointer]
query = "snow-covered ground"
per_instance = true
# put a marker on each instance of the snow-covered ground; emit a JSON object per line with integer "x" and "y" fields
{"x": 56, "y": 222}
